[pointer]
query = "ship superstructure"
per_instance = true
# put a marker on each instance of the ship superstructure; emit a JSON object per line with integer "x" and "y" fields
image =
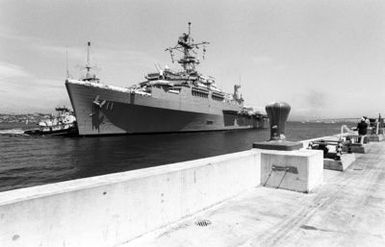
{"x": 167, "y": 101}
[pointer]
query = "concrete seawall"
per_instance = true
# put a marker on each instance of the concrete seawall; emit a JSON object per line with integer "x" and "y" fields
{"x": 112, "y": 209}
{"x": 347, "y": 210}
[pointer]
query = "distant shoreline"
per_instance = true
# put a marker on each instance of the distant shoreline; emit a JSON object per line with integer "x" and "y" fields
{"x": 23, "y": 118}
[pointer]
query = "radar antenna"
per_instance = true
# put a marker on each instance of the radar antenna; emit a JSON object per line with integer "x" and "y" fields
{"x": 187, "y": 46}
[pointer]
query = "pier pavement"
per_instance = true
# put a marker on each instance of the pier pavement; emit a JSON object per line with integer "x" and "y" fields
{"x": 347, "y": 210}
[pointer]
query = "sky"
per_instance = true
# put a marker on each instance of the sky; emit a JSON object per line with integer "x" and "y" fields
{"x": 324, "y": 58}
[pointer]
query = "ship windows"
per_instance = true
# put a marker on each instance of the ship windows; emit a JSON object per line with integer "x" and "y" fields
{"x": 217, "y": 98}
{"x": 209, "y": 122}
{"x": 199, "y": 94}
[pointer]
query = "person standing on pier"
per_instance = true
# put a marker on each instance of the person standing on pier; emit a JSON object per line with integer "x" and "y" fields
{"x": 362, "y": 128}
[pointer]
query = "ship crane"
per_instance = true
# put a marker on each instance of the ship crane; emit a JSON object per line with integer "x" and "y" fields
{"x": 186, "y": 45}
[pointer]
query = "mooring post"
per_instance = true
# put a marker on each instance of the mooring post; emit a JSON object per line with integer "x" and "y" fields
{"x": 283, "y": 163}
{"x": 278, "y": 113}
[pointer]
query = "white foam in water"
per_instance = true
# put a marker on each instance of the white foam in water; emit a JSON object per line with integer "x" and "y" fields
{"x": 12, "y": 132}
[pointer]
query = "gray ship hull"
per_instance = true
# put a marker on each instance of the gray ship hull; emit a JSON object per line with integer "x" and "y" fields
{"x": 106, "y": 110}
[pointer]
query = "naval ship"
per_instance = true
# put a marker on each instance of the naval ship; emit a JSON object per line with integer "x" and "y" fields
{"x": 167, "y": 101}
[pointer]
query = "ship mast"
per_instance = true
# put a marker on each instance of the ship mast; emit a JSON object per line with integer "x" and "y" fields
{"x": 67, "y": 70}
{"x": 89, "y": 76}
{"x": 88, "y": 64}
{"x": 187, "y": 46}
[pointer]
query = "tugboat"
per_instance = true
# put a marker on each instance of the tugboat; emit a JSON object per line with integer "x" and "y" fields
{"x": 63, "y": 124}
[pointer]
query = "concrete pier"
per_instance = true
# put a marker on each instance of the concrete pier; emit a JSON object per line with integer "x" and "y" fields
{"x": 376, "y": 137}
{"x": 298, "y": 170}
{"x": 112, "y": 209}
{"x": 348, "y": 210}
{"x": 215, "y": 201}
{"x": 342, "y": 164}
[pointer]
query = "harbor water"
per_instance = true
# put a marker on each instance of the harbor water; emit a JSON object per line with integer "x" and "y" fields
{"x": 27, "y": 161}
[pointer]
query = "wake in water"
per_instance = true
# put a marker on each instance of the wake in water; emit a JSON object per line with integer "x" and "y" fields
{"x": 12, "y": 132}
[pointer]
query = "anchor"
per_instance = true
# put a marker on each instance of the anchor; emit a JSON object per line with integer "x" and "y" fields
{"x": 98, "y": 102}
{"x": 96, "y": 114}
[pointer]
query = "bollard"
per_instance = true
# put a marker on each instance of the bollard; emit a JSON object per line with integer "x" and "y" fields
{"x": 284, "y": 164}
{"x": 278, "y": 113}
